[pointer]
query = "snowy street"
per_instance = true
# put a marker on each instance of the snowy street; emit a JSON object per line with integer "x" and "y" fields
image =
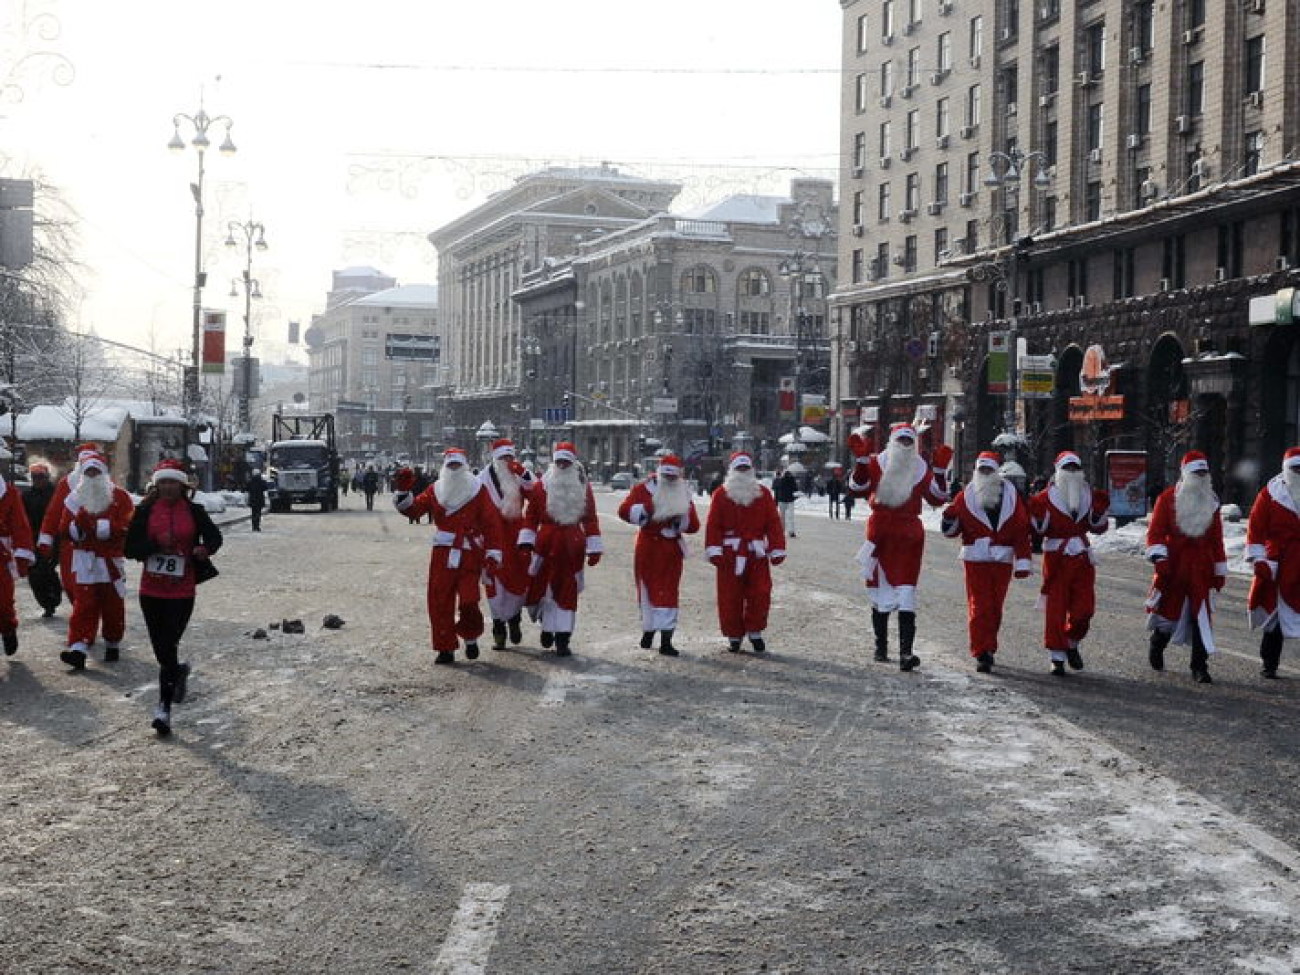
{"x": 332, "y": 802}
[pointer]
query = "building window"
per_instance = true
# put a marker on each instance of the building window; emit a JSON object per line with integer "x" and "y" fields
{"x": 857, "y": 265}
{"x": 886, "y": 144}
{"x": 1124, "y": 271}
{"x": 973, "y": 173}
{"x": 1049, "y": 212}
{"x": 862, "y": 33}
{"x": 976, "y": 39}
{"x": 909, "y": 253}
{"x": 1011, "y": 84}
{"x": 913, "y": 192}
{"x": 863, "y": 93}
{"x": 1254, "y": 64}
{"x": 913, "y": 11}
{"x": 973, "y": 106}
{"x": 755, "y": 283}
{"x": 699, "y": 281}
{"x": 882, "y": 202}
{"x": 1141, "y": 177}
{"x": 1195, "y": 13}
{"x": 1092, "y": 201}
{"x": 859, "y": 206}
{"x": 1144, "y": 25}
{"x": 1196, "y": 88}
{"x": 913, "y": 128}
{"x": 941, "y": 121}
{"x": 1011, "y": 18}
{"x": 945, "y": 51}
{"x": 1173, "y": 267}
{"x": 882, "y": 260}
{"x": 972, "y": 236}
{"x": 886, "y": 79}
{"x": 1094, "y": 46}
{"x": 369, "y": 356}
{"x": 914, "y": 67}
{"x": 1050, "y": 130}
{"x": 1142, "y": 110}
{"x": 860, "y": 151}
{"x": 1194, "y": 170}
{"x": 1254, "y": 152}
{"x": 1096, "y": 123}
{"x": 1051, "y": 66}
{"x": 369, "y": 426}
{"x": 887, "y": 18}
{"x": 941, "y": 183}
{"x": 941, "y": 252}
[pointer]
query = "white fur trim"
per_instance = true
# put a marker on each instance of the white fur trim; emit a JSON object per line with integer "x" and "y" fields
{"x": 494, "y": 555}
{"x": 45, "y": 538}
{"x": 568, "y": 455}
{"x": 103, "y": 529}
{"x": 637, "y": 514}
{"x": 1256, "y": 553}
{"x": 527, "y": 537}
{"x": 594, "y": 544}
{"x": 402, "y": 500}
{"x": 1024, "y": 565}
{"x": 669, "y": 469}
{"x": 169, "y": 474}
{"x": 1157, "y": 552}
{"x": 776, "y": 553}
{"x": 713, "y": 552}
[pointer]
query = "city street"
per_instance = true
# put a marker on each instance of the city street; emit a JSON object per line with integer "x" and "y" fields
{"x": 332, "y": 802}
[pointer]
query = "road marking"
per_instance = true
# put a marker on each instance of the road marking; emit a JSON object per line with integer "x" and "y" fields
{"x": 473, "y": 930}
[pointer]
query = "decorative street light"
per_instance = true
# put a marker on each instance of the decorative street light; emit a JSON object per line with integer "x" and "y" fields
{"x": 1005, "y": 171}
{"x": 254, "y": 237}
{"x": 804, "y": 274}
{"x": 199, "y": 123}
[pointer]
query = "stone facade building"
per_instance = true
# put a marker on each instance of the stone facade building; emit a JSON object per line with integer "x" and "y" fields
{"x": 1113, "y": 176}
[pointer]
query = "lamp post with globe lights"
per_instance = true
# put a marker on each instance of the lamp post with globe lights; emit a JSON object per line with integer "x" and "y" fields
{"x": 253, "y": 236}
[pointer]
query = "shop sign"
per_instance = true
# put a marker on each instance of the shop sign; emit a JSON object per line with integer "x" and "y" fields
{"x": 1090, "y": 409}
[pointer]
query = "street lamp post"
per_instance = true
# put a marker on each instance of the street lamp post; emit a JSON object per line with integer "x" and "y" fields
{"x": 199, "y": 123}
{"x": 798, "y": 269}
{"x": 254, "y": 237}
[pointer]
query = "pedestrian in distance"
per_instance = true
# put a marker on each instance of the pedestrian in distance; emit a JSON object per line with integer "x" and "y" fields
{"x": 509, "y": 485}
{"x": 743, "y": 539}
{"x": 16, "y": 558}
{"x": 1273, "y": 548}
{"x": 896, "y": 482}
{"x": 562, "y": 530}
{"x": 43, "y": 576}
{"x": 47, "y": 540}
{"x": 834, "y": 491}
{"x": 467, "y": 537}
{"x": 257, "y": 497}
{"x": 662, "y": 510}
{"x": 847, "y": 499}
{"x": 786, "y": 491}
{"x": 1062, "y": 515}
{"x": 992, "y": 521}
{"x": 93, "y": 526}
{"x": 1185, "y": 543}
{"x": 175, "y": 538}
{"x": 370, "y": 485}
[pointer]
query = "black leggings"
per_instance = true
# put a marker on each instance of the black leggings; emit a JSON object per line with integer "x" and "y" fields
{"x": 166, "y": 620}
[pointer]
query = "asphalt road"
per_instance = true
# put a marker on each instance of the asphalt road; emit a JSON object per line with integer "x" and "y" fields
{"x": 332, "y": 802}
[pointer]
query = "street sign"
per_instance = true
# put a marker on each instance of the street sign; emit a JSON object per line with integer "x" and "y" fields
{"x": 998, "y": 380}
{"x": 1037, "y": 385}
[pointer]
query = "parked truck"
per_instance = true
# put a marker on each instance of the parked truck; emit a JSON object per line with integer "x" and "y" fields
{"x": 302, "y": 462}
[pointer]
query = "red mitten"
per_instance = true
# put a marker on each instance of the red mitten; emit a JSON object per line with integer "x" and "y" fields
{"x": 23, "y": 565}
{"x": 715, "y": 560}
{"x": 941, "y": 457}
{"x": 516, "y": 468}
{"x": 593, "y": 558}
{"x": 777, "y": 559}
{"x": 403, "y": 479}
{"x": 1263, "y": 571}
{"x": 860, "y": 447}
{"x": 1218, "y": 583}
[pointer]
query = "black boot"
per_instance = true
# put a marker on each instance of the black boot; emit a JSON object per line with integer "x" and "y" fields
{"x": 666, "y": 643}
{"x": 1270, "y": 652}
{"x": 562, "y": 645}
{"x": 498, "y": 634}
{"x": 880, "y": 626}
{"x": 516, "y": 632}
{"x": 1156, "y": 649}
{"x": 647, "y": 639}
{"x": 1200, "y": 662}
{"x": 906, "y": 637}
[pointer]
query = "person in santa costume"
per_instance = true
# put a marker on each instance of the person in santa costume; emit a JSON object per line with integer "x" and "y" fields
{"x": 1185, "y": 543}
{"x": 92, "y": 526}
{"x": 508, "y": 484}
{"x": 1063, "y": 515}
{"x": 993, "y": 524}
{"x": 467, "y": 535}
{"x": 47, "y": 536}
{"x": 743, "y": 539}
{"x": 1273, "y": 547}
{"x": 896, "y": 482}
{"x": 661, "y": 507}
{"x": 16, "y": 558}
{"x": 562, "y": 530}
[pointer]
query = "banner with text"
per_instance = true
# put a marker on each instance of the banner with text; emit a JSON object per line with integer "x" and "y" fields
{"x": 214, "y": 341}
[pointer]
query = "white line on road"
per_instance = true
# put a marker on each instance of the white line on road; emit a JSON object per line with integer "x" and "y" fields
{"x": 473, "y": 930}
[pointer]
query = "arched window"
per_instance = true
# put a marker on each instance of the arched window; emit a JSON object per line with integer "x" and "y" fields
{"x": 699, "y": 280}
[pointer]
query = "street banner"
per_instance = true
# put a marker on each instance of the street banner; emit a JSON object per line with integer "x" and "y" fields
{"x": 999, "y": 343}
{"x": 1126, "y": 480}
{"x": 214, "y": 341}
{"x": 786, "y": 398}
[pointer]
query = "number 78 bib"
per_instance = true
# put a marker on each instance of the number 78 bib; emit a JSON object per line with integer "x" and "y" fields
{"x": 160, "y": 564}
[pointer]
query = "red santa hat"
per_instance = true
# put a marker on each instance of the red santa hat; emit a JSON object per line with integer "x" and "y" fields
{"x": 1291, "y": 458}
{"x": 170, "y": 470}
{"x": 454, "y": 455}
{"x": 670, "y": 464}
{"x": 1067, "y": 457}
{"x": 565, "y": 451}
{"x": 739, "y": 459}
{"x": 988, "y": 460}
{"x": 39, "y": 469}
{"x": 95, "y": 459}
{"x": 505, "y": 447}
{"x": 900, "y": 430}
{"x": 85, "y": 449}
{"x": 1194, "y": 461}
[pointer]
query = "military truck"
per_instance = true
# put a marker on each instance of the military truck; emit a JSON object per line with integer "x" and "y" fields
{"x": 302, "y": 462}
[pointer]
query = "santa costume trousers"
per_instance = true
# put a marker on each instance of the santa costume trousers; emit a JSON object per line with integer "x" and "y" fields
{"x": 744, "y": 599}
{"x": 454, "y": 612}
{"x": 986, "y": 592}
{"x": 8, "y": 612}
{"x": 98, "y": 604}
{"x": 1069, "y": 588}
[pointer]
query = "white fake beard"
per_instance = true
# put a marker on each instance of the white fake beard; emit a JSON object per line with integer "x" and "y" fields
{"x": 672, "y": 499}
{"x": 1194, "y": 505}
{"x": 512, "y": 497}
{"x": 566, "y": 494}
{"x": 742, "y": 487}
{"x": 1073, "y": 488}
{"x": 95, "y": 493}
{"x": 898, "y": 479}
{"x": 988, "y": 488}
{"x": 454, "y": 487}
{"x": 1292, "y": 479}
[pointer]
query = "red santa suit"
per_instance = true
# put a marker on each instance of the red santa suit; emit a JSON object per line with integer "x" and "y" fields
{"x": 1273, "y": 545}
{"x": 562, "y": 540}
{"x": 660, "y": 553}
{"x": 97, "y": 567}
{"x": 49, "y": 531}
{"x": 466, "y": 533}
{"x": 743, "y": 539}
{"x": 890, "y": 557}
{"x": 1068, "y": 595}
{"x": 16, "y": 556}
{"x": 1188, "y": 569}
{"x": 506, "y": 585}
{"x": 992, "y": 550}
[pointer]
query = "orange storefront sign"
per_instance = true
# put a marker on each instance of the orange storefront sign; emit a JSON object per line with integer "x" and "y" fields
{"x": 1089, "y": 409}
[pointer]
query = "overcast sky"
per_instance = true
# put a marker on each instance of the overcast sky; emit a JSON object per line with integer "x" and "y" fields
{"x": 362, "y": 127}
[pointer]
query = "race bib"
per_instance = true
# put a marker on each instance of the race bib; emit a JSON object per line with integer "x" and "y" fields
{"x": 165, "y": 565}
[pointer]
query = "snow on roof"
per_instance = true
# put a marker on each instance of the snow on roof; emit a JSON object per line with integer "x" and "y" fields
{"x": 361, "y": 271}
{"x": 741, "y": 208}
{"x": 407, "y": 295}
{"x": 103, "y": 424}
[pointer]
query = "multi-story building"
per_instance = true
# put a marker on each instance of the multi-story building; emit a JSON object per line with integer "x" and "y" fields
{"x": 374, "y": 357}
{"x": 1113, "y": 177}
{"x": 696, "y": 332}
